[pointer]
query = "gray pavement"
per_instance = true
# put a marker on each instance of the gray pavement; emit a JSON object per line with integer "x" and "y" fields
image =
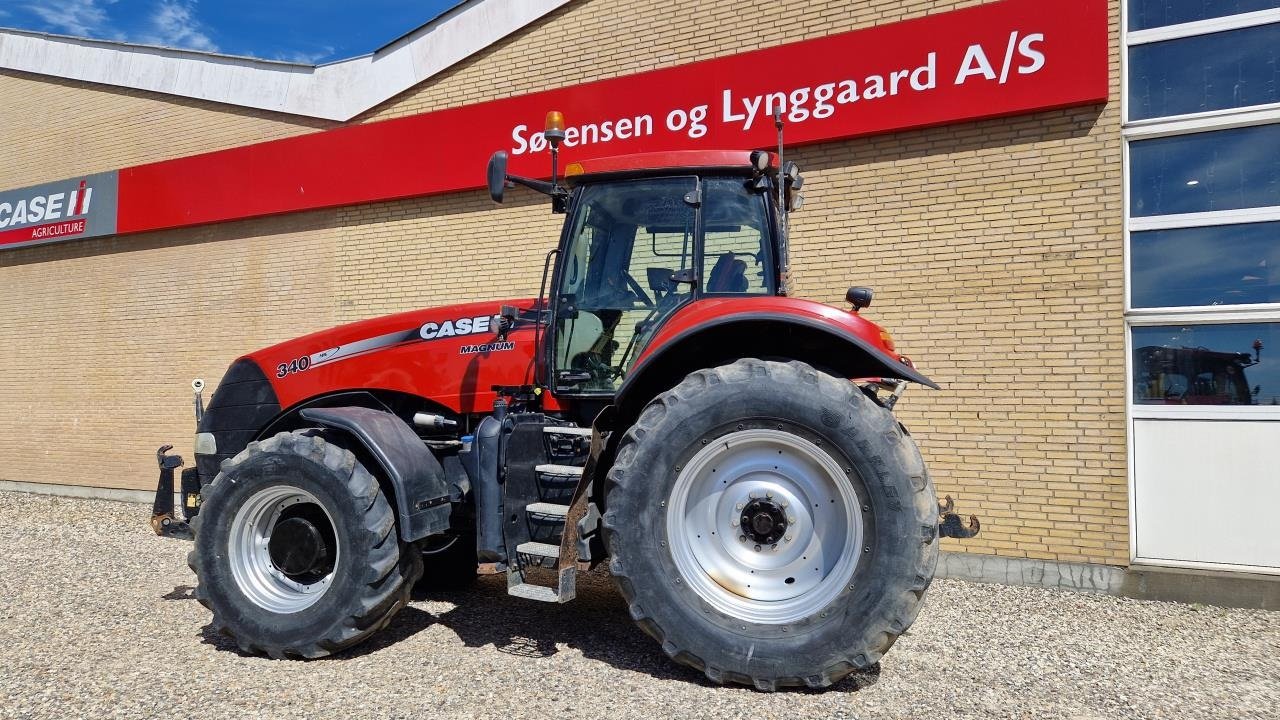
{"x": 97, "y": 620}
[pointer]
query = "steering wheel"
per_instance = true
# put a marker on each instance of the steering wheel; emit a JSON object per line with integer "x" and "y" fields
{"x": 644, "y": 296}
{"x": 595, "y": 365}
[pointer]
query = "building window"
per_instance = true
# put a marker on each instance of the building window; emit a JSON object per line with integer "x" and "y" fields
{"x": 1211, "y": 266}
{"x": 1233, "y": 69}
{"x": 1145, "y": 14}
{"x": 1205, "y": 172}
{"x": 1205, "y": 365}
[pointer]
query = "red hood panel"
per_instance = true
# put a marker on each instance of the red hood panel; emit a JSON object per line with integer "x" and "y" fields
{"x": 450, "y": 355}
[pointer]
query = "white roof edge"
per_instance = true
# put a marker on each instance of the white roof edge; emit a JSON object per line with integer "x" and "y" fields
{"x": 333, "y": 91}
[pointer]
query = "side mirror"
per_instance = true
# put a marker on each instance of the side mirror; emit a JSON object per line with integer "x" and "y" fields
{"x": 507, "y": 315}
{"x": 498, "y": 175}
{"x": 859, "y": 297}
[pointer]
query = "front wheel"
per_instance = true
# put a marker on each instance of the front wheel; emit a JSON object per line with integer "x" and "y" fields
{"x": 771, "y": 525}
{"x": 296, "y": 550}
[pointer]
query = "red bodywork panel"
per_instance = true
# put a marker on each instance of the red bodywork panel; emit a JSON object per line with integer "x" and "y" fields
{"x": 451, "y": 367}
{"x": 431, "y": 354}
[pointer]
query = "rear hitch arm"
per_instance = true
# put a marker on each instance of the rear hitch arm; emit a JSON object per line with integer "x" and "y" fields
{"x": 950, "y": 525}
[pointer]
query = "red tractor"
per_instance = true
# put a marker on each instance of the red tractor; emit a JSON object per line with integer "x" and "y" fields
{"x": 729, "y": 452}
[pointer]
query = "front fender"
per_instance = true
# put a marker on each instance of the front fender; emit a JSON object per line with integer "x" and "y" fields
{"x": 416, "y": 478}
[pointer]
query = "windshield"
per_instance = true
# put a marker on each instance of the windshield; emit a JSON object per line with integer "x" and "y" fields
{"x": 634, "y": 255}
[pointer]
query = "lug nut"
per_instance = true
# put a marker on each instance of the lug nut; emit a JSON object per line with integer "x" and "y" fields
{"x": 791, "y": 518}
{"x": 733, "y": 523}
{"x": 742, "y": 538}
{"x": 757, "y": 548}
{"x": 787, "y": 538}
{"x": 769, "y": 495}
{"x": 752, "y": 494}
{"x": 740, "y": 506}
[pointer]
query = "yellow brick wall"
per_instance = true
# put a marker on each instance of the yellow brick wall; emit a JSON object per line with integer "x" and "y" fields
{"x": 994, "y": 248}
{"x": 52, "y": 128}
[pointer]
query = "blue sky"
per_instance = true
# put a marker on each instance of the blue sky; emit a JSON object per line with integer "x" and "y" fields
{"x": 307, "y": 31}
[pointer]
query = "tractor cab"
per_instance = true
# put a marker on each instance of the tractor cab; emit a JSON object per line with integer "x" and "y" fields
{"x": 641, "y": 241}
{"x": 1195, "y": 376}
{"x": 647, "y": 234}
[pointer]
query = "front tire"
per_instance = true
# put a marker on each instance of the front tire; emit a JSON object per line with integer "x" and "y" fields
{"x": 770, "y": 525}
{"x": 296, "y": 550}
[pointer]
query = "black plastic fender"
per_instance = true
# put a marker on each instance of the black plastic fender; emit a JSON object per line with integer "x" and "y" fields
{"x": 765, "y": 335}
{"x": 417, "y": 480}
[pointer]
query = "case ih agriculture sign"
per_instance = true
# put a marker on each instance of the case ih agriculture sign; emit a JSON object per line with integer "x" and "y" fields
{"x": 83, "y": 207}
{"x": 998, "y": 59}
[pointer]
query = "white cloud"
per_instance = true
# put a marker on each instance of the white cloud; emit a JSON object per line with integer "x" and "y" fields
{"x": 174, "y": 24}
{"x": 306, "y": 58}
{"x": 74, "y": 17}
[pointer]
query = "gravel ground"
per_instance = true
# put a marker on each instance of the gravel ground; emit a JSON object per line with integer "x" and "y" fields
{"x": 97, "y": 620}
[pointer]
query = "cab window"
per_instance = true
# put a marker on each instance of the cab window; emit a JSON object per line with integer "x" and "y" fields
{"x": 735, "y": 227}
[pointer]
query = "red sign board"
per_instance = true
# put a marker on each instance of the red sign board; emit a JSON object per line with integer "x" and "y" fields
{"x": 1002, "y": 58}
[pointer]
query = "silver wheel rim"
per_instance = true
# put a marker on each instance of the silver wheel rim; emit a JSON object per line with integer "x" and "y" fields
{"x": 800, "y": 574}
{"x": 251, "y": 565}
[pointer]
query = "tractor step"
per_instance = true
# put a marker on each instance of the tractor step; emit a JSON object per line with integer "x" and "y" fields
{"x": 565, "y": 471}
{"x": 567, "y": 430}
{"x": 566, "y": 578}
{"x": 546, "y": 550}
{"x": 549, "y": 509}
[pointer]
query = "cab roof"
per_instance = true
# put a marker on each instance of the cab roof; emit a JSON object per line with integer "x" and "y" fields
{"x": 699, "y": 161}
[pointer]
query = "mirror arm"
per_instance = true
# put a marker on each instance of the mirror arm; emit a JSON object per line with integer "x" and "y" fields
{"x": 541, "y": 186}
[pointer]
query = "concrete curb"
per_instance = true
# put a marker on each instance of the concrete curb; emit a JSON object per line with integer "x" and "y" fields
{"x": 79, "y": 491}
{"x": 1033, "y": 573}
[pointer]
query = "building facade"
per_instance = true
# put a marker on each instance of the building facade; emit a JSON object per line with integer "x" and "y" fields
{"x": 1085, "y": 280}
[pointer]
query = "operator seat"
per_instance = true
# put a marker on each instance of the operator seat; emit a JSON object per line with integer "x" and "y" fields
{"x": 729, "y": 275}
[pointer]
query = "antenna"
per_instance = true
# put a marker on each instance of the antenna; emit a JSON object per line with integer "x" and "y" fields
{"x": 784, "y": 264}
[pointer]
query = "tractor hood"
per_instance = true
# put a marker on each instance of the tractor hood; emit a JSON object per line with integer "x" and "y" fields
{"x": 451, "y": 355}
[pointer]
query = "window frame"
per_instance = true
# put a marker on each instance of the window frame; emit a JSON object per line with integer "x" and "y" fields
{"x": 1188, "y": 124}
{"x": 1134, "y": 131}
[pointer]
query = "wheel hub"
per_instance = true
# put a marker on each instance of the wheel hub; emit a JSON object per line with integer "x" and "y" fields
{"x": 764, "y": 521}
{"x": 296, "y": 547}
{"x": 283, "y": 549}
{"x": 765, "y": 525}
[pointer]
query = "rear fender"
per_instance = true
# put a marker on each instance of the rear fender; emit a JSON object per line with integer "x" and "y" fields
{"x": 765, "y": 335}
{"x": 416, "y": 479}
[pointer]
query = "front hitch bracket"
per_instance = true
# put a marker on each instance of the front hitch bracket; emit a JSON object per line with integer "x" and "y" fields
{"x": 163, "y": 521}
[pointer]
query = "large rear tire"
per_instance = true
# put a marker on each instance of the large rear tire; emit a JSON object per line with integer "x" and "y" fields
{"x": 770, "y": 525}
{"x": 296, "y": 550}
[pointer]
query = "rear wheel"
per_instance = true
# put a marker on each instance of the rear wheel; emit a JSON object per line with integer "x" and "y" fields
{"x": 296, "y": 549}
{"x": 770, "y": 525}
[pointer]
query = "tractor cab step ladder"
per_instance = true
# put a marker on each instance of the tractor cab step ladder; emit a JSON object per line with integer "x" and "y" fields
{"x": 558, "y": 481}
